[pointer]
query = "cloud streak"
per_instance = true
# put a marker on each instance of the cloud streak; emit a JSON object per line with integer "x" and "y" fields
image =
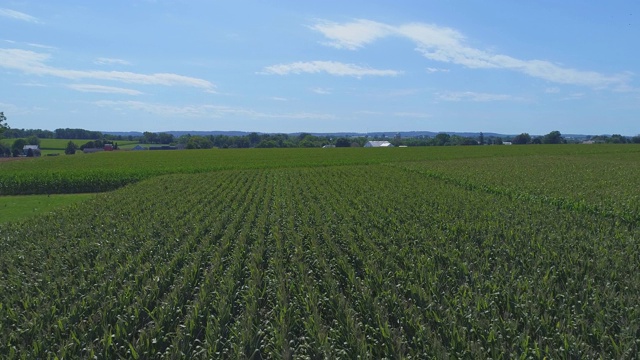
{"x": 447, "y": 45}
{"x": 416, "y": 115}
{"x": 204, "y": 111}
{"x": 474, "y": 96}
{"x": 321, "y": 91}
{"x": 103, "y": 89}
{"x": 30, "y": 62}
{"x": 353, "y": 35}
{"x": 329, "y": 67}
{"x": 111, "y": 61}
{"x": 17, "y": 15}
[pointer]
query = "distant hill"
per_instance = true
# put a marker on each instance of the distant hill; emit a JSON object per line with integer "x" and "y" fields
{"x": 406, "y": 134}
{"x": 389, "y": 134}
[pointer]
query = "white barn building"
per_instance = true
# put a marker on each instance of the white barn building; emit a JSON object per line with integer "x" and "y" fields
{"x": 378, "y": 144}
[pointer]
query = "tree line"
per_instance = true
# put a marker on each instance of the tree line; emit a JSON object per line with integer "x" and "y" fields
{"x": 257, "y": 140}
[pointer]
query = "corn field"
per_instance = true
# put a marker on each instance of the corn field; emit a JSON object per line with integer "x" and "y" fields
{"x": 450, "y": 258}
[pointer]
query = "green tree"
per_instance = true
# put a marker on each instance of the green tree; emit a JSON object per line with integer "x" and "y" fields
{"x": 343, "y": 142}
{"x": 553, "y": 137}
{"x": 267, "y": 144}
{"x": 71, "y": 148}
{"x": 3, "y": 123}
{"x": 18, "y": 147}
{"x": 33, "y": 140}
{"x": 5, "y": 151}
{"x": 442, "y": 139}
{"x": 254, "y": 138}
{"x": 88, "y": 145}
{"x": 521, "y": 139}
{"x": 199, "y": 142}
{"x": 165, "y": 138}
{"x": 617, "y": 139}
{"x": 150, "y": 137}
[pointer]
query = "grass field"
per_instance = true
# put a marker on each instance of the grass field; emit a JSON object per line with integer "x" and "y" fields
{"x": 461, "y": 252}
{"x": 14, "y": 208}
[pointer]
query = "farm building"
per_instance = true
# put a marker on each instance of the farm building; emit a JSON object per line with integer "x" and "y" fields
{"x": 34, "y": 149}
{"x": 378, "y": 144}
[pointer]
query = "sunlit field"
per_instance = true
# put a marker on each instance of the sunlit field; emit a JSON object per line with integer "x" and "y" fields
{"x": 458, "y": 252}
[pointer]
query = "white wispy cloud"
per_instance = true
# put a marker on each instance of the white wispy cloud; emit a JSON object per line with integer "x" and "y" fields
{"x": 31, "y": 44}
{"x": 41, "y": 46}
{"x": 17, "y": 15}
{"x": 111, "y": 61}
{"x": 6, "y": 107}
{"x": 204, "y": 111}
{"x": 368, "y": 113}
{"x": 321, "y": 91}
{"x": 32, "y": 84}
{"x": 353, "y": 35}
{"x": 474, "y": 96}
{"x": 30, "y": 62}
{"x": 417, "y": 115}
{"x": 435, "y": 70}
{"x": 448, "y": 45}
{"x": 329, "y": 67}
{"x": 103, "y": 89}
{"x": 12, "y": 109}
{"x": 574, "y": 96}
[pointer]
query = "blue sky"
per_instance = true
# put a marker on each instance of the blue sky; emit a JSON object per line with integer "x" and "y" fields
{"x": 322, "y": 66}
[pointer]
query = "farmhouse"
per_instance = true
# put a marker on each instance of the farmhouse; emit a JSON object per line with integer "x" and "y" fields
{"x": 34, "y": 149}
{"x": 378, "y": 144}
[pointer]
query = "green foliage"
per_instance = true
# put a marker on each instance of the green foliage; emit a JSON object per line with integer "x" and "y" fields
{"x": 553, "y": 137}
{"x": 14, "y": 208}
{"x": 71, "y": 148}
{"x": 156, "y": 138}
{"x": 77, "y": 134}
{"x": 199, "y": 142}
{"x": 3, "y": 123}
{"x": 310, "y": 254}
{"x": 442, "y": 139}
{"x": 18, "y": 144}
{"x": 5, "y": 151}
{"x": 17, "y": 148}
{"x": 33, "y": 140}
{"x": 109, "y": 171}
{"x": 343, "y": 142}
{"x": 521, "y": 139}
